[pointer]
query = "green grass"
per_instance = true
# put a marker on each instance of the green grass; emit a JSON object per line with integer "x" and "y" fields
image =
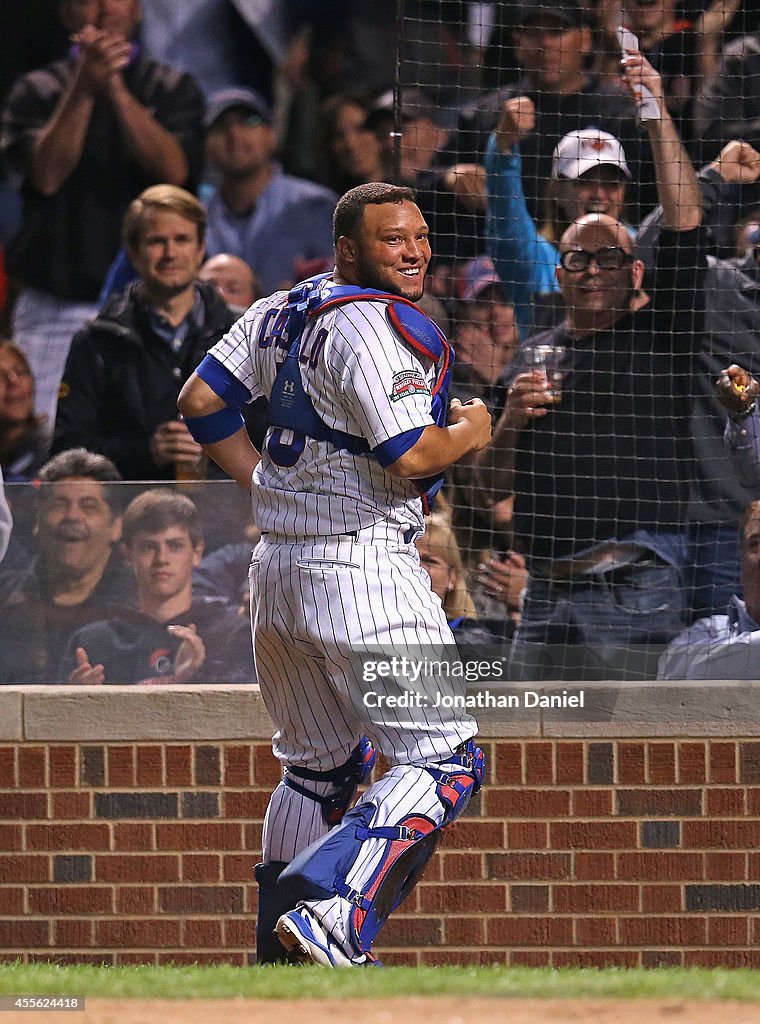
{"x": 316, "y": 983}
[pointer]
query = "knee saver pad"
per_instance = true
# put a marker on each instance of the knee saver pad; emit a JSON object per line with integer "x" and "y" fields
{"x": 347, "y": 778}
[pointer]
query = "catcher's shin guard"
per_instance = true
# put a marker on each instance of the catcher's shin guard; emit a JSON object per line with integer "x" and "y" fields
{"x": 383, "y": 874}
{"x": 271, "y": 906}
{"x": 346, "y": 779}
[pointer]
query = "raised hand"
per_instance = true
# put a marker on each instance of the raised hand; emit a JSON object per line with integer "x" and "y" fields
{"x": 86, "y": 674}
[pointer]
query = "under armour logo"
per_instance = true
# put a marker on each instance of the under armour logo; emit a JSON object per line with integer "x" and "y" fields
{"x": 289, "y": 387}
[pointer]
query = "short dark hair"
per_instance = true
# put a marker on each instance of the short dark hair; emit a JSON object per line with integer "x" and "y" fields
{"x": 349, "y": 212}
{"x": 169, "y": 198}
{"x": 752, "y": 511}
{"x": 156, "y": 510}
{"x": 79, "y": 462}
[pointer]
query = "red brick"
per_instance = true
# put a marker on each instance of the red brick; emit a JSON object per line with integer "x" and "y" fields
{"x": 121, "y": 766}
{"x": 753, "y": 800}
{"x": 662, "y": 764}
{"x": 136, "y": 899}
{"x": 728, "y": 867}
{"x": 73, "y": 933}
{"x": 594, "y": 866}
{"x": 508, "y": 764}
{"x": 475, "y": 835}
{"x": 728, "y": 802}
{"x": 539, "y": 764}
{"x": 463, "y": 866}
{"x": 591, "y": 803}
{"x": 398, "y": 958}
{"x": 136, "y": 960}
{"x": 529, "y": 931}
{"x": 596, "y": 931}
{"x": 469, "y": 899}
{"x": 717, "y": 835}
{"x": 528, "y": 866}
{"x": 434, "y": 868}
{"x": 252, "y": 834}
{"x": 11, "y": 900}
{"x": 179, "y": 766}
{"x": 133, "y": 837}
{"x": 527, "y": 835}
{"x": 728, "y": 931}
{"x": 203, "y": 932}
{"x": 201, "y": 899}
{"x": 238, "y": 867}
{"x": 63, "y": 767}
{"x": 131, "y": 934}
{"x": 570, "y": 763}
{"x": 26, "y": 868}
{"x": 586, "y": 899}
{"x": 26, "y": 806}
{"x": 71, "y": 899}
{"x": 239, "y": 931}
{"x": 692, "y": 763}
{"x": 662, "y": 931}
{"x": 529, "y": 958}
{"x": 446, "y": 958}
{"x": 8, "y": 768}
{"x": 71, "y": 806}
{"x": 661, "y": 958}
{"x": 149, "y": 768}
{"x": 134, "y": 868}
{"x": 722, "y": 958}
{"x": 661, "y": 866}
{"x": 601, "y": 960}
{"x": 527, "y": 803}
{"x": 664, "y": 899}
{"x": 597, "y": 835}
{"x": 632, "y": 765}
{"x": 723, "y": 762}
{"x": 655, "y": 803}
{"x": 208, "y": 959}
{"x": 11, "y": 837}
{"x": 203, "y": 867}
{"x": 18, "y": 935}
{"x": 192, "y": 836}
{"x": 267, "y": 770}
{"x": 68, "y": 837}
{"x": 251, "y": 804}
{"x": 237, "y": 766}
{"x": 528, "y": 898}
{"x": 31, "y": 767}
{"x": 464, "y": 931}
{"x": 413, "y": 931}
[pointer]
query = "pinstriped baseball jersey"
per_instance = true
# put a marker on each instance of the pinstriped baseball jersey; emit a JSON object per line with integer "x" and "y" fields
{"x": 363, "y": 380}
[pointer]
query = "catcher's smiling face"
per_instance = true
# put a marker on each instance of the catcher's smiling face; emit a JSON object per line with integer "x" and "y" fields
{"x": 391, "y": 251}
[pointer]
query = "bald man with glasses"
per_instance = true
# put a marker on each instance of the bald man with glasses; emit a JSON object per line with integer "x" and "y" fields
{"x": 594, "y": 439}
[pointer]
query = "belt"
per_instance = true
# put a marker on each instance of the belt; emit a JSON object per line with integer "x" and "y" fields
{"x": 394, "y": 532}
{"x": 602, "y": 559}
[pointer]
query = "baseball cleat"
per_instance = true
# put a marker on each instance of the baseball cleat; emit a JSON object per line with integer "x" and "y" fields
{"x": 300, "y": 933}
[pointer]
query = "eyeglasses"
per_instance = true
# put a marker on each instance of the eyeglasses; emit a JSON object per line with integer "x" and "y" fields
{"x": 575, "y": 261}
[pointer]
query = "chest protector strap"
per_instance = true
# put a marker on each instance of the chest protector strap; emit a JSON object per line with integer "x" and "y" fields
{"x": 290, "y": 408}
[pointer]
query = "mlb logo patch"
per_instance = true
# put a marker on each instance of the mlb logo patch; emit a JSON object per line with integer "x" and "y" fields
{"x": 408, "y": 383}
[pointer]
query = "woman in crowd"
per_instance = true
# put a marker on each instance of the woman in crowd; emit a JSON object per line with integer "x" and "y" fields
{"x": 24, "y": 436}
{"x": 352, "y": 150}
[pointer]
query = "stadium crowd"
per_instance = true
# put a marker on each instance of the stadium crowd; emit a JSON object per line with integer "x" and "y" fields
{"x": 596, "y": 266}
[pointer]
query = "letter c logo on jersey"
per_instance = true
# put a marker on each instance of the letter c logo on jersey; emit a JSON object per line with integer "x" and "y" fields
{"x": 407, "y": 384}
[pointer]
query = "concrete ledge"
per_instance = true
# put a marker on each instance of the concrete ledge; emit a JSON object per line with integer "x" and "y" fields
{"x": 131, "y": 714}
{"x": 11, "y": 714}
{"x": 144, "y": 713}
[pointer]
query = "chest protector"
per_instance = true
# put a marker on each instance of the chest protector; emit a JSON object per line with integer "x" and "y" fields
{"x": 291, "y": 409}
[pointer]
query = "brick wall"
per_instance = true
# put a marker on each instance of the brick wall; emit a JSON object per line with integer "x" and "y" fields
{"x": 130, "y": 822}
